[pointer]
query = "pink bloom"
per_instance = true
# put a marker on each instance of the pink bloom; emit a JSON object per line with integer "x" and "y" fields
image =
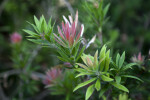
{"x": 15, "y": 37}
{"x": 52, "y": 75}
{"x": 138, "y": 59}
{"x": 68, "y": 33}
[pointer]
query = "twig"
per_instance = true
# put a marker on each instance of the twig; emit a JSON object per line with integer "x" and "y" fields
{"x": 69, "y": 7}
{"x": 10, "y": 72}
{"x": 2, "y": 94}
{"x": 17, "y": 71}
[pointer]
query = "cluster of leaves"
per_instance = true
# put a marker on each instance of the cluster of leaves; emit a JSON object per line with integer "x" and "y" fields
{"x": 118, "y": 73}
{"x": 119, "y": 69}
{"x": 97, "y": 13}
{"x": 65, "y": 85}
{"x": 97, "y": 68}
{"x": 71, "y": 56}
{"x": 43, "y": 31}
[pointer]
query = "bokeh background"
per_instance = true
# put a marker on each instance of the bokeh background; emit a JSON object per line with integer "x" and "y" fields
{"x": 128, "y": 29}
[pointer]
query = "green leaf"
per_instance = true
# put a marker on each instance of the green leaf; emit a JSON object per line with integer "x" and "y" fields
{"x": 119, "y": 86}
{"x": 76, "y": 49}
{"x": 31, "y": 33}
{"x": 105, "y": 78}
{"x": 118, "y": 79}
{"x": 134, "y": 77}
{"x": 42, "y": 42}
{"x": 84, "y": 59}
{"x": 63, "y": 55}
{"x": 80, "y": 70}
{"x": 45, "y": 27}
{"x": 96, "y": 60}
{"x": 62, "y": 59}
{"x": 117, "y": 59}
{"x": 35, "y": 28}
{"x": 83, "y": 73}
{"x": 121, "y": 61}
{"x": 84, "y": 83}
{"x": 37, "y": 23}
{"x": 89, "y": 92}
{"x": 114, "y": 65}
{"x": 81, "y": 52}
{"x": 83, "y": 66}
{"x": 106, "y": 9}
{"x": 128, "y": 66}
{"x": 102, "y": 55}
{"x": 107, "y": 61}
{"x": 98, "y": 85}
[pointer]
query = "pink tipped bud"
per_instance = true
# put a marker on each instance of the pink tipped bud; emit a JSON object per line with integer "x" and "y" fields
{"x": 52, "y": 75}
{"x": 138, "y": 59}
{"x": 15, "y": 37}
{"x": 69, "y": 32}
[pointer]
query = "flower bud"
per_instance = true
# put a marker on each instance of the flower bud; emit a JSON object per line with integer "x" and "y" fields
{"x": 15, "y": 38}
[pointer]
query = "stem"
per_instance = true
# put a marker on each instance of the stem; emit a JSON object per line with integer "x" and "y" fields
{"x": 100, "y": 36}
{"x": 68, "y": 97}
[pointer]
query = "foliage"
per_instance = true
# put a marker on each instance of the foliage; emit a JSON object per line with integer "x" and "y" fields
{"x": 109, "y": 27}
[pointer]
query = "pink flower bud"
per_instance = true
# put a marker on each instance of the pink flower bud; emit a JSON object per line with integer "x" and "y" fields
{"x": 69, "y": 34}
{"x": 138, "y": 59}
{"x": 52, "y": 75}
{"x": 15, "y": 37}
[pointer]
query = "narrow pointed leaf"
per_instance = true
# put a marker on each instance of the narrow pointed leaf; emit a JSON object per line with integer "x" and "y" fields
{"x": 84, "y": 83}
{"x": 134, "y": 77}
{"x": 128, "y": 66}
{"x": 83, "y": 66}
{"x": 98, "y": 85}
{"x": 81, "y": 52}
{"x": 117, "y": 59}
{"x": 96, "y": 60}
{"x": 106, "y": 9}
{"x": 118, "y": 79}
{"x": 83, "y": 73}
{"x": 121, "y": 61}
{"x": 89, "y": 92}
{"x": 119, "y": 86}
{"x": 81, "y": 70}
{"x": 107, "y": 61}
{"x": 105, "y": 78}
{"x": 37, "y": 22}
{"x": 62, "y": 59}
{"x": 102, "y": 55}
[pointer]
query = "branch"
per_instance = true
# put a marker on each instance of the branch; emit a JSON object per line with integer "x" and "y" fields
{"x": 17, "y": 71}
{"x": 69, "y": 7}
{"x": 2, "y": 94}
